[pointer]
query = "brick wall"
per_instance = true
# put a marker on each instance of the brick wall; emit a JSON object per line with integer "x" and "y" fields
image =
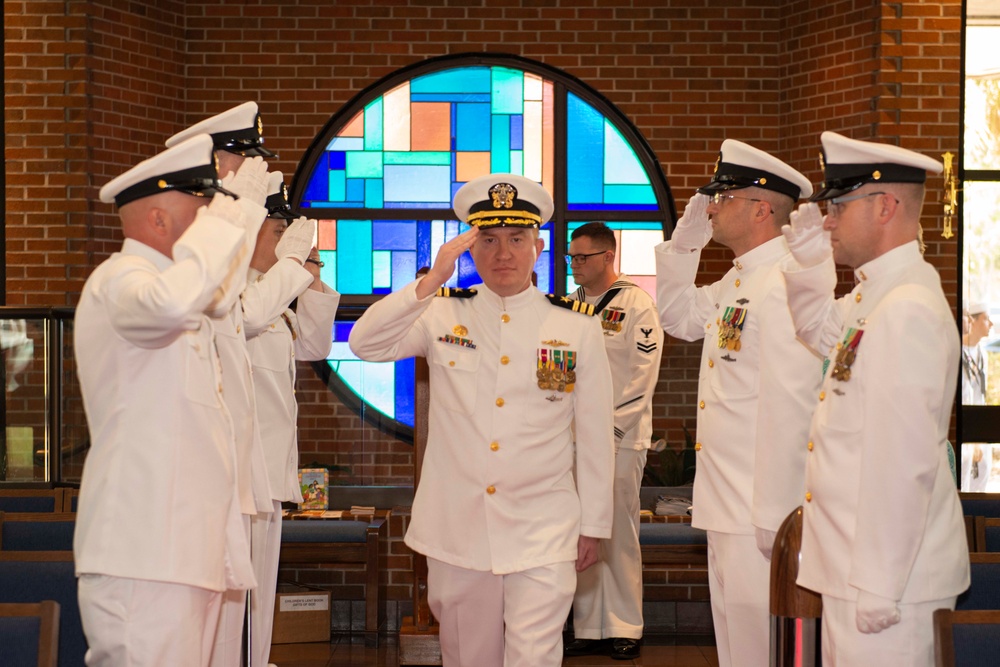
{"x": 93, "y": 86}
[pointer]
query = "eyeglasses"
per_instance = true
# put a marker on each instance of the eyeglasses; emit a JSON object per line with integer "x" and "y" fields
{"x": 582, "y": 257}
{"x": 719, "y": 197}
{"x": 835, "y": 206}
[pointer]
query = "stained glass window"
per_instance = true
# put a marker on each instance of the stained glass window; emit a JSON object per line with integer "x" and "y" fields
{"x": 381, "y": 176}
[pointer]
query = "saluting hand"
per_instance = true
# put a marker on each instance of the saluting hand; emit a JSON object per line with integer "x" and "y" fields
{"x": 694, "y": 229}
{"x": 444, "y": 263}
{"x": 808, "y": 241}
{"x": 249, "y": 181}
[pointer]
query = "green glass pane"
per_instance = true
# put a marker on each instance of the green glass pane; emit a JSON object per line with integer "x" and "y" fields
{"x": 364, "y": 165}
{"x": 508, "y": 91}
{"x": 417, "y": 157}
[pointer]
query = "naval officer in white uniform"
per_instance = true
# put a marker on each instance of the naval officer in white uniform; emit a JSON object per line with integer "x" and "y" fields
{"x": 158, "y": 536}
{"x": 509, "y": 507}
{"x": 883, "y": 539}
{"x": 755, "y": 388}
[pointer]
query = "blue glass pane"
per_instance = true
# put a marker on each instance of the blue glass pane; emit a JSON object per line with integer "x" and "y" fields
{"x": 418, "y": 183}
{"x": 394, "y": 235}
{"x": 584, "y": 151}
{"x": 517, "y": 132}
{"x": 405, "y": 381}
{"x": 404, "y": 268}
{"x": 472, "y": 132}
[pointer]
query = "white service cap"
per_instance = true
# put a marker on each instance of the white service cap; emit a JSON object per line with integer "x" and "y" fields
{"x": 503, "y": 200}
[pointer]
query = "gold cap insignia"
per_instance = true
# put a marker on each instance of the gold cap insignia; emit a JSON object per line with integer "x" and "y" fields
{"x": 260, "y": 125}
{"x": 715, "y": 169}
{"x": 503, "y": 195}
{"x": 822, "y": 162}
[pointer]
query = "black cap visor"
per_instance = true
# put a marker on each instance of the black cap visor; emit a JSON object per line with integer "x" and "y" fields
{"x": 839, "y": 179}
{"x": 200, "y": 182}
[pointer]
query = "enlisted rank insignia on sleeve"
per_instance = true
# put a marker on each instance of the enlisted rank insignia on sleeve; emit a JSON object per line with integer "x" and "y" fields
{"x": 571, "y": 304}
{"x": 456, "y": 292}
{"x": 646, "y": 345}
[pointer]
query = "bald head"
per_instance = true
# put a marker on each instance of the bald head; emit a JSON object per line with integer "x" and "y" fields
{"x": 159, "y": 220}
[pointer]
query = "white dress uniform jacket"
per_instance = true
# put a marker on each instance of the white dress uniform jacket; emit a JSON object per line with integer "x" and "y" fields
{"x": 237, "y": 375}
{"x": 633, "y": 340}
{"x": 497, "y": 490}
{"x": 756, "y": 386}
{"x": 881, "y": 513}
{"x": 305, "y": 334}
{"x": 156, "y": 499}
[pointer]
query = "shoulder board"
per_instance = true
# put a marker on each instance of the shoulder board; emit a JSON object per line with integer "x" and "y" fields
{"x": 571, "y": 304}
{"x": 456, "y": 292}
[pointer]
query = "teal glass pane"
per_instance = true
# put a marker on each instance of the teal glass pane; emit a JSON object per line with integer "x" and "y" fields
{"x": 364, "y": 165}
{"x": 354, "y": 240}
{"x": 508, "y": 91}
{"x": 373, "y": 126}
{"x": 328, "y": 272}
{"x": 500, "y": 151}
{"x": 373, "y": 193}
{"x": 461, "y": 80}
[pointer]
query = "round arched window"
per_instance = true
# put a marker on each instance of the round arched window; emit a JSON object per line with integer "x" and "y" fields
{"x": 381, "y": 174}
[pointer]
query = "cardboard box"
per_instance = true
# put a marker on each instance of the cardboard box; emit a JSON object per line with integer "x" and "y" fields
{"x": 301, "y": 615}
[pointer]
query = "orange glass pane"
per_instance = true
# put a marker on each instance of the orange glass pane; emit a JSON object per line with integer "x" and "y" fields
{"x": 430, "y": 126}
{"x": 471, "y": 164}
{"x": 355, "y": 128}
{"x": 326, "y": 238}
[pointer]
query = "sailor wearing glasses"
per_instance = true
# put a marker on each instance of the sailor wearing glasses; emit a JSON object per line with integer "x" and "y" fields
{"x": 883, "y": 538}
{"x": 757, "y": 383}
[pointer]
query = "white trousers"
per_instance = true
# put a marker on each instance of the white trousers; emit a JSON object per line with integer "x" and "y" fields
{"x": 510, "y": 620}
{"x": 265, "y": 541}
{"x": 228, "y": 648}
{"x": 608, "y": 601}
{"x": 739, "y": 583}
{"x": 137, "y": 623}
{"x": 909, "y": 643}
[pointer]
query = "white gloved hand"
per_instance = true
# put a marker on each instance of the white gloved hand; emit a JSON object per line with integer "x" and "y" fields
{"x": 808, "y": 241}
{"x": 694, "y": 229}
{"x": 765, "y": 541}
{"x": 225, "y": 208}
{"x": 297, "y": 241}
{"x": 249, "y": 181}
{"x": 875, "y": 613}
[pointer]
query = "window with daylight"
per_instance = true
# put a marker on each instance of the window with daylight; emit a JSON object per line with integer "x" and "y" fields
{"x": 381, "y": 175}
{"x": 979, "y": 423}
